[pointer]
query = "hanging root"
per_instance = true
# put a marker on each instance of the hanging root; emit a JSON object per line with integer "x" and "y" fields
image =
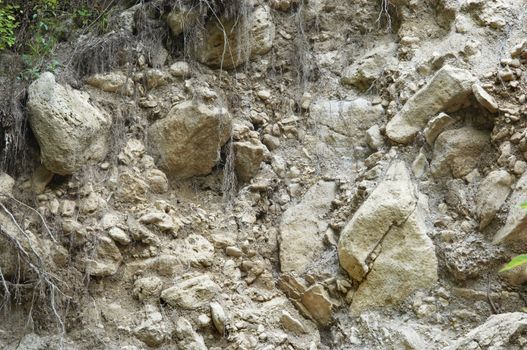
{"x": 42, "y": 281}
{"x": 228, "y": 186}
{"x": 384, "y": 12}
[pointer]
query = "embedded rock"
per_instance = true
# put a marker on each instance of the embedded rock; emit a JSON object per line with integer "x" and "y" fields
{"x": 369, "y": 68}
{"x": 187, "y": 337}
{"x": 6, "y": 185}
{"x": 219, "y": 318}
{"x": 457, "y": 152}
{"x": 195, "y": 250}
{"x": 147, "y": 288}
{"x": 345, "y": 122}
{"x": 492, "y": 193}
{"x": 502, "y": 331}
{"x": 191, "y": 293}
{"x": 181, "y": 18}
{"x": 316, "y": 301}
{"x": 385, "y": 247}
{"x": 115, "y": 82}
{"x": 436, "y": 126}
{"x": 515, "y": 228}
{"x": 69, "y": 129}
{"x": 484, "y": 98}
{"x": 303, "y": 226}
{"x": 187, "y": 142}
{"x": 447, "y": 91}
{"x": 107, "y": 259}
{"x": 248, "y": 155}
{"x": 246, "y": 38}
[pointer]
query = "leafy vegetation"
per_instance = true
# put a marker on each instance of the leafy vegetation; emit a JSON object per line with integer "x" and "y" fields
{"x": 33, "y": 28}
{"x": 517, "y": 260}
{"x": 8, "y": 24}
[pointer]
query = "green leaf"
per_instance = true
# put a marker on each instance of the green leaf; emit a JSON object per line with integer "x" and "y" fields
{"x": 524, "y": 205}
{"x": 515, "y": 262}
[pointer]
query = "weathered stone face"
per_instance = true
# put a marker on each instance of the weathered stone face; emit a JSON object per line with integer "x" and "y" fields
{"x": 187, "y": 142}
{"x": 69, "y": 129}
{"x": 385, "y": 247}
{"x": 456, "y": 152}
{"x": 492, "y": 193}
{"x": 302, "y": 228}
{"x": 344, "y": 123}
{"x": 514, "y": 230}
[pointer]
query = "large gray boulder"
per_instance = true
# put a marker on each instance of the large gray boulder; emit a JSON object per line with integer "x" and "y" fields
{"x": 457, "y": 152}
{"x": 69, "y": 129}
{"x": 303, "y": 226}
{"x": 448, "y": 91}
{"x": 385, "y": 247}
{"x": 188, "y": 140}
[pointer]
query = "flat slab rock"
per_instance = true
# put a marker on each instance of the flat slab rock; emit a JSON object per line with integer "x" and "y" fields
{"x": 385, "y": 247}
{"x": 447, "y": 91}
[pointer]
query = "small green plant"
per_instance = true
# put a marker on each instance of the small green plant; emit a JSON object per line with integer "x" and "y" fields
{"x": 8, "y": 24}
{"x": 518, "y": 260}
{"x": 83, "y": 17}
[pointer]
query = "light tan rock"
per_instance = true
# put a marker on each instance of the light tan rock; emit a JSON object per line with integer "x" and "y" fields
{"x": 246, "y": 38}
{"x": 157, "y": 180}
{"x": 515, "y": 228}
{"x": 180, "y": 69}
{"x": 147, "y": 288}
{"x": 318, "y": 304}
{"x": 484, "y": 98}
{"x": 302, "y": 228}
{"x": 40, "y": 179}
{"x": 119, "y": 236}
{"x": 115, "y": 82}
{"x": 492, "y": 193}
{"x": 362, "y": 73}
{"x": 195, "y": 250}
{"x": 385, "y": 247}
{"x": 456, "y": 152}
{"x": 447, "y": 91}
{"x": 187, "y": 337}
{"x": 182, "y": 18}
{"x": 248, "y": 155}
{"x": 344, "y": 123}
{"x": 187, "y": 142}
{"x": 219, "y": 317}
{"x": 436, "y": 126}
{"x": 498, "y": 332}
{"x": 291, "y": 324}
{"x": 6, "y": 185}
{"x": 160, "y": 219}
{"x": 106, "y": 260}
{"x": 191, "y": 293}
{"x": 69, "y": 129}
